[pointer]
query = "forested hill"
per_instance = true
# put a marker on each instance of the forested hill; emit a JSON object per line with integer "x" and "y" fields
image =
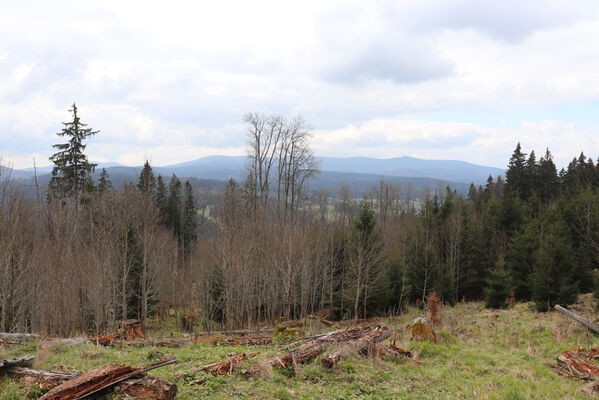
{"x": 359, "y": 173}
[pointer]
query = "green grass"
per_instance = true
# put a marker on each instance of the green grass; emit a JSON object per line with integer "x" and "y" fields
{"x": 480, "y": 353}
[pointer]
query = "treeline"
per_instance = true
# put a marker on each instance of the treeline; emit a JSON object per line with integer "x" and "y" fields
{"x": 85, "y": 255}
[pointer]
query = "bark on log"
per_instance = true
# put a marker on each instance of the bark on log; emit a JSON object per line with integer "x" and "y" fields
{"x": 308, "y": 351}
{"x": 225, "y": 367}
{"x": 379, "y": 334}
{"x": 20, "y": 337}
{"x": 577, "y": 318}
{"x": 145, "y": 388}
{"x": 48, "y": 379}
{"x": 91, "y": 382}
{"x": 26, "y": 361}
{"x": 148, "y": 388}
{"x": 577, "y": 367}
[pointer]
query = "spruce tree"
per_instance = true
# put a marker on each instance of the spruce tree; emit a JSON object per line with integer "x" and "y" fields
{"x": 161, "y": 200}
{"x": 521, "y": 258}
{"x": 190, "y": 218}
{"x": 71, "y": 175}
{"x": 104, "y": 183}
{"x": 547, "y": 177}
{"x": 498, "y": 286}
{"x": 174, "y": 206}
{"x": 553, "y": 280}
{"x": 147, "y": 182}
{"x": 515, "y": 176}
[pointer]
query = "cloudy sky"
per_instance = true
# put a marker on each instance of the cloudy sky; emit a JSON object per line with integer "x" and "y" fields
{"x": 461, "y": 79}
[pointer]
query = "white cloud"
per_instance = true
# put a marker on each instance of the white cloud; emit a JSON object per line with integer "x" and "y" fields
{"x": 172, "y": 80}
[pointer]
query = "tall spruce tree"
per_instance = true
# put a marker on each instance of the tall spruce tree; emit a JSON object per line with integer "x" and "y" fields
{"x": 190, "y": 218}
{"x": 147, "y": 182}
{"x": 71, "y": 175}
{"x": 161, "y": 200}
{"x": 174, "y": 206}
{"x": 515, "y": 176}
{"x": 104, "y": 183}
{"x": 553, "y": 279}
{"x": 548, "y": 178}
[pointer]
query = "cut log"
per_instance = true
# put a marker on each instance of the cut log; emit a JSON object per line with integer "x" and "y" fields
{"x": 249, "y": 341}
{"x": 91, "y": 382}
{"x": 26, "y": 361}
{"x": 379, "y": 334}
{"x": 148, "y": 388}
{"x": 576, "y": 367}
{"x": 19, "y": 337}
{"x": 47, "y": 379}
{"x": 577, "y": 318}
{"x": 225, "y": 367}
{"x": 308, "y": 351}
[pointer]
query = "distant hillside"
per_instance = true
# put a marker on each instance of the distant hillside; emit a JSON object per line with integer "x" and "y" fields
{"x": 359, "y": 173}
{"x": 223, "y": 167}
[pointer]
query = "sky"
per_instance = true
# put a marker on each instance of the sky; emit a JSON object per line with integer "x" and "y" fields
{"x": 171, "y": 81}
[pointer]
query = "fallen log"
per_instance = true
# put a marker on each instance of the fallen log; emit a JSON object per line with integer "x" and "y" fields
{"x": 379, "y": 334}
{"x": 148, "y": 388}
{"x": 91, "y": 382}
{"x": 19, "y": 337}
{"x": 576, "y": 367}
{"x": 236, "y": 332}
{"x": 307, "y": 351}
{"x": 26, "y": 361}
{"x": 577, "y": 318}
{"x": 46, "y": 379}
{"x": 249, "y": 341}
{"x": 225, "y": 367}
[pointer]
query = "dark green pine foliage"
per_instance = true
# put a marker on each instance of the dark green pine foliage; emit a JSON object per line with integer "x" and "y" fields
{"x": 134, "y": 261}
{"x": 104, "y": 183}
{"x": 161, "y": 200}
{"x": 553, "y": 280}
{"x": 498, "y": 286}
{"x": 190, "y": 218}
{"x": 147, "y": 182}
{"x": 531, "y": 176}
{"x": 515, "y": 177}
{"x": 71, "y": 175}
{"x": 174, "y": 206}
{"x": 547, "y": 178}
{"x": 521, "y": 258}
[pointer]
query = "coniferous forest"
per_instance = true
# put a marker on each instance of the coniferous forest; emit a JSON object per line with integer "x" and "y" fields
{"x": 80, "y": 256}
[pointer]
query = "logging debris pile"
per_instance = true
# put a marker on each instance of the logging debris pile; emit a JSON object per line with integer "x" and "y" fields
{"x": 65, "y": 386}
{"x": 359, "y": 340}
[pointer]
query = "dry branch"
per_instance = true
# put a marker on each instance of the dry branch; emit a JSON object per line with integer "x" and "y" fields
{"x": 225, "y": 367}
{"x": 379, "y": 334}
{"x": 577, "y": 318}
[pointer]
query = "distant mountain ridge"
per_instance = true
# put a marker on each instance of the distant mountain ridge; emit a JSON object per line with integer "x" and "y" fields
{"x": 357, "y": 172}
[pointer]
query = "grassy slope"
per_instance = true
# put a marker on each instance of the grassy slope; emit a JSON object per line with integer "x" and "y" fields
{"x": 481, "y": 354}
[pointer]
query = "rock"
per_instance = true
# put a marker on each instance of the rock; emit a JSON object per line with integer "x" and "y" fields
{"x": 422, "y": 330}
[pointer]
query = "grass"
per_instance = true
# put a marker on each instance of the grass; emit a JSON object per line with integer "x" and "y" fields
{"x": 483, "y": 354}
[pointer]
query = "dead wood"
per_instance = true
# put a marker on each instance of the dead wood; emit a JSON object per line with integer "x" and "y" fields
{"x": 577, "y": 318}
{"x": 575, "y": 366}
{"x": 236, "y": 332}
{"x": 309, "y": 350}
{"x": 225, "y": 367}
{"x": 19, "y": 337}
{"x": 148, "y": 388}
{"x": 26, "y": 361}
{"x": 46, "y": 379}
{"x": 90, "y": 382}
{"x": 357, "y": 345}
{"x": 249, "y": 341}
